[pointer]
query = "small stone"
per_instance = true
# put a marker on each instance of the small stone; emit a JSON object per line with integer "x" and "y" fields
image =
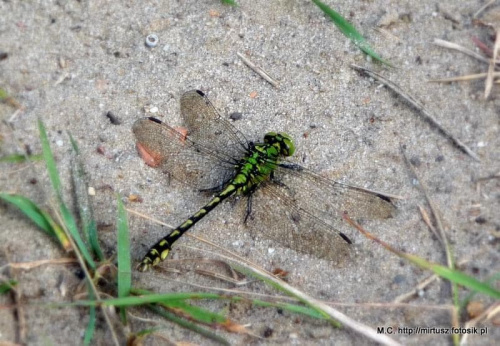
{"x": 235, "y": 116}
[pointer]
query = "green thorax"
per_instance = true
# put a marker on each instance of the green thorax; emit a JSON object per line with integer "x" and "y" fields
{"x": 262, "y": 160}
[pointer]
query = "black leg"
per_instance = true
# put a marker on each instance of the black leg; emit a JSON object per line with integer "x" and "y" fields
{"x": 292, "y": 166}
{"x": 249, "y": 208}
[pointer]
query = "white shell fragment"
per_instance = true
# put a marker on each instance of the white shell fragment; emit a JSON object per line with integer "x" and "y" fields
{"x": 151, "y": 40}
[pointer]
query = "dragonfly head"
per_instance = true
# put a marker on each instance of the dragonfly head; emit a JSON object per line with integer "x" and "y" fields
{"x": 282, "y": 141}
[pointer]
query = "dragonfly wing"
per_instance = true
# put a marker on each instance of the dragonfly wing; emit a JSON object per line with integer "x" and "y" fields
{"x": 184, "y": 160}
{"x": 208, "y": 128}
{"x": 276, "y": 214}
{"x": 328, "y": 199}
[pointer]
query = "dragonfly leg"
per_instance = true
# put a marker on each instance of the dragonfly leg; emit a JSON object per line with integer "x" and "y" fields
{"x": 249, "y": 208}
{"x": 292, "y": 166}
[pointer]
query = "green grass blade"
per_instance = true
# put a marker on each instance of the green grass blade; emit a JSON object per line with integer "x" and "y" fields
{"x": 7, "y": 286}
{"x": 189, "y": 325}
{"x": 91, "y": 230}
{"x": 229, "y": 2}
{"x": 147, "y": 299}
{"x": 124, "y": 262}
{"x": 455, "y": 276}
{"x": 196, "y": 313}
{"x": 489, "y": 281}
{"x": 85, "y": 209}
{"x": 350, "y": 31}
{"x": 19, "y": 158}
{"x": 90, "y": 330}
{"x": 450, "y": 274}
{"x": 3, "y": 94}
{"x": 41, "y": 218}
{"x": 31, "y": 210}
{"x": 70, "y": 223}
{"x": 68, "y": 219}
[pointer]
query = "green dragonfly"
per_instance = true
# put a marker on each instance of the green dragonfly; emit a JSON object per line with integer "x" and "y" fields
{"x": 287, "y": 202}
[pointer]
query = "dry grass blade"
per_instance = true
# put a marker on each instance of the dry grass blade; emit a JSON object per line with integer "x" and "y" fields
{"x": 316, "y": 304}
{"x": 491, "y": 68}
{"x": 336, "y": 315}
{"x": 419, "y": 107}
{"x": 147, "y": 217}
{"x": 427, "y": 220}
{"x": 35, "y": 264}
{"x": 246, "y": 265}
{"x": 421, "y": 286}
{"x": 218, "y": 276}
{"x": 482, "y": 46}
{"x": 487, "y": 314}
{"x": 258, "y": 70}
{"x": 464, "y": 78}
{"x": 484, "y": 7}
{"x": 457, "y": 47}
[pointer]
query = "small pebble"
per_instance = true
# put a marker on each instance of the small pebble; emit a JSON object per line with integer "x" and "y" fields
{"x": 415, "y": 161}
{"x": 235, "y": 116}
{"x": 151, "y": 40}
{"x": 153, "y": 110}
{"x": 112, "y": 118}
{"x": 91, "y": 191}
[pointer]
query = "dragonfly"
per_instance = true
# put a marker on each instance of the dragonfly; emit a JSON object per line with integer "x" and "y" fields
{"x": 285, "y": 201}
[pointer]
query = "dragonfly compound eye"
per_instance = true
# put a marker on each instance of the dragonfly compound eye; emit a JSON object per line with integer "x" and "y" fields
{"x": 283, "y": 140}
{"x": 287, "y": 145}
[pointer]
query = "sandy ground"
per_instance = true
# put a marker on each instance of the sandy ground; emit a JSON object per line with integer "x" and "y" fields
{"x": 71, "y": 62}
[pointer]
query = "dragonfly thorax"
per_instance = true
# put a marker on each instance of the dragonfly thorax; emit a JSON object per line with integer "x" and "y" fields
{"x": 282, "y": 141}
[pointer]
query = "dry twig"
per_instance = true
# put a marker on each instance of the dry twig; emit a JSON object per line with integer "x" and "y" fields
{"x": 258, "y": 70}
{"x": 457, "y": 47}
{"x": 491, "y": 68}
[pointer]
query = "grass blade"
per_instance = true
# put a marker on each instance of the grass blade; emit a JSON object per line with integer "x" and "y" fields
{"x": 452, "y": 275}
{"x": 31, "y": 210}
{"x": 123, "y": 249}
{"x": 85, "y": 210}
{"x": 196, "y": 313}
{"x": 69, "y": 221}
{"x": 90, "y": 330}
{"x": 189, "y": 325}
{"x": 41, "y": 218}
{"x": 19, "y": 158}
{"x": 350, "y": 31}
{"x": 7, "y": 286}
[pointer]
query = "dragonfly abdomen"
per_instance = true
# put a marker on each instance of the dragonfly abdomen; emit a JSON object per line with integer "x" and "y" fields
{"x": 162, "y": 248}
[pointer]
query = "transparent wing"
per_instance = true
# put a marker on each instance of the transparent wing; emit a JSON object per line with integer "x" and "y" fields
{"x": 208, "y": 128}
{"x": 328, "y": 199}
{"x": 277, "y": 215}
{"x": 303, "y": 211}
{"x": 170, "y": 150}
